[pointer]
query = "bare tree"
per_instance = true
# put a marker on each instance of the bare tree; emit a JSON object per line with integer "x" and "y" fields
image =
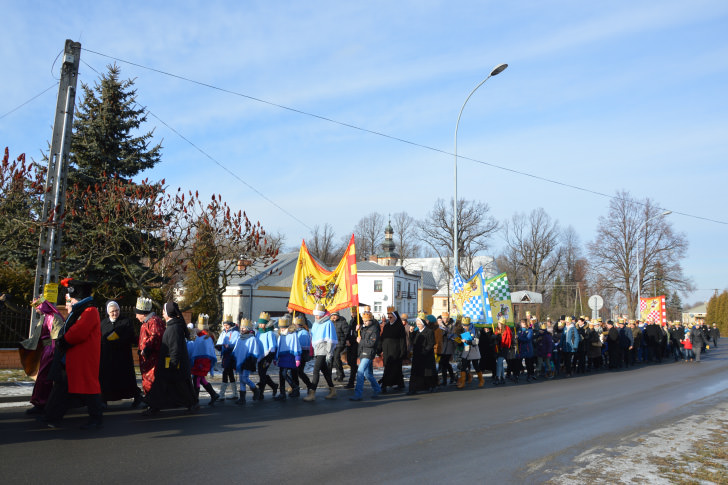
{"x": 369, "y": 233}
{"x": 532, "y": 245}
{"x": 475, "y": 228}
{"x": 633, "y": 227}
{"x": 404, "y": 227}
{"x": 321, "y": 245}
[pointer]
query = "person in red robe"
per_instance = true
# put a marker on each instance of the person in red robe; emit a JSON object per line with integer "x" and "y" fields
{"x": 75, "y": 368}
{"x": 150, "y": 340}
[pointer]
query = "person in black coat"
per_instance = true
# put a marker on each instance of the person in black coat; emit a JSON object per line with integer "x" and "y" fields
{"x": 116, "y": 370}
{"x": 368, "y": 340}
{"x": 172, "y": 387}
{"x": 715, "y": 334}
{"x": 393, "y": 347}
{"x": 342, "y": 330}
{"x": 486, "y": 343}
{"x": 352, "y": 347}
{"x": 613, "y": 348}
{"x": 423, "y": 375}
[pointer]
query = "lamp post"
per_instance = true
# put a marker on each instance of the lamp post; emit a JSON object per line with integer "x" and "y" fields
{"x": 639, "y": 272}
{"x": 496, "y": 70}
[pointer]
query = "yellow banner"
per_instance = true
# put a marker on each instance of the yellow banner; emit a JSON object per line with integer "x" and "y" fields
{"x": 314, "y": 284}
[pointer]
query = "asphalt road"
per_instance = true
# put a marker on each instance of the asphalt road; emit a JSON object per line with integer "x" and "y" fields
{"x": 513, "y": 434}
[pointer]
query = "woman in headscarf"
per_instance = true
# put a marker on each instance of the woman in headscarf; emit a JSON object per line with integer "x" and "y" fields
{"x": 172, "y": 387}
{"x": 424, "y": 369}
{"x": 116, "y": 370}
{"x": 393, "y": 347}
{"x": 50, "y": 327}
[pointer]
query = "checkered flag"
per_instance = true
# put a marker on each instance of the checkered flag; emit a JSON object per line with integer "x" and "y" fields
{"x": 457, "y": 282}
{"x": 498, "y": 288}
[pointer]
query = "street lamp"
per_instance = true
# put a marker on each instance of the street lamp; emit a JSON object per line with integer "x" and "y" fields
{"x": 496, "y": 70}
{"x": 639, "y": 273}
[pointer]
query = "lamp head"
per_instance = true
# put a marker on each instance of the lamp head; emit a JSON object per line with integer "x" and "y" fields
{"x": 498, "y": 69}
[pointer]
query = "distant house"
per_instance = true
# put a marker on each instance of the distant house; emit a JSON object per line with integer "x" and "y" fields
{"x": 695, "y": 314}
{"x": 381, "y": 286}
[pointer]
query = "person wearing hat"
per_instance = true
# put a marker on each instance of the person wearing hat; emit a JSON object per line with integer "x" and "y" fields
{"x": 50, "y": 326}
{"x": 247, "y": 351}
{"x": 470, "y": 356}
{"x": 543, "y": 346}
{"x": 368, "y": 343}
{"x": 593, "y": 346}
{"x": 203, "y": 356}
{"x": 269, "y": 343}
{"x": 172, "y": 387}
{"x": 525, "y": 347}
{"x": 117, "y": 375}
{"x": 569, "y": 344}
{"x": 323, "y": 340}
{"x": 75, "y": 368}
{"x": 225, "y": 344}
{"x": 288, "y": 358}
{"x": 150, "y": 339}
{"x": 613, "y": 347}
{"x": 446, "y": 348}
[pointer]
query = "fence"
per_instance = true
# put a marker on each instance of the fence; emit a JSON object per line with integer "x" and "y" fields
{"x": 14, "y": 325}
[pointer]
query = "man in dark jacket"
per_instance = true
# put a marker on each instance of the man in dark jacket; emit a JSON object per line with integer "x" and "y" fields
{"x": 342, "y": 330}
{"x": 368, "y": 347}
{"x": 626, "y": 343}
{"x": 653, "y": 333}
{"x": 715, "y": 334}
{"x": 352, "y": 347}
{"x": 613, "y": 347}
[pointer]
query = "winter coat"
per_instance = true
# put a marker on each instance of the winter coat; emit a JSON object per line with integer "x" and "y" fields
{"x": 84, "y": 355}
{"x": 525, "y": 343}
{"x": 570, "y": 339}
{"x": 545, "y": 344}
{"x": 369, "y": 342}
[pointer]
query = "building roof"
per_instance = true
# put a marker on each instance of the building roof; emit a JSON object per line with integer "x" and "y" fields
{"x": 279, "y": 273}
{"x": 526, "y": 297}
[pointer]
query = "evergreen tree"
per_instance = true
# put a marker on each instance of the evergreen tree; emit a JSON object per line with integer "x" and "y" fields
{"x": 110, "y": 221}
{"x": 104, "y": 143}
{"x": 674, "y": 307}
{"x": 203, "y": 275}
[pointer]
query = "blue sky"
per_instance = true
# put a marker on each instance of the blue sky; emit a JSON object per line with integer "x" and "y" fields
{"x": 608, "y": 96}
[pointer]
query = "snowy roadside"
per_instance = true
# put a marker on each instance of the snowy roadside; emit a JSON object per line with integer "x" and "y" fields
{"x": 691, "y": 450}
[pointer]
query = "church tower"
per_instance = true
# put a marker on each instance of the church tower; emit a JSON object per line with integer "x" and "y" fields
{"x": 388, "y": 256}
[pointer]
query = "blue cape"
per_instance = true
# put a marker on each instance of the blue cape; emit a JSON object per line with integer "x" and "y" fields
{"x": 289, "y": 351}
{"x": 323, "y": 331}
{"x": 247, "y": 347}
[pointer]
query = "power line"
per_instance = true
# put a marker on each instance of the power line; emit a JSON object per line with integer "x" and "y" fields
{"x": 230, "y": 171}
{"x": 31, "y": 99}
{"x": 391, "y": 137}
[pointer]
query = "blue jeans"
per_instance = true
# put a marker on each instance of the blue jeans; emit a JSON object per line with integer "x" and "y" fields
{"x": 499, "y": 367}
{"x": 365, "y": 371}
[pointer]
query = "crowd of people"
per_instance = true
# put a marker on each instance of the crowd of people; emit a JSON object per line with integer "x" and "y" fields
{"x": 88, "y": 361}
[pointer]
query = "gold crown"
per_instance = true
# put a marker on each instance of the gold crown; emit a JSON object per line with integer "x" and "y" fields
{"x": 202, "y": 319}
{"x": 264, "y": 317}
{"x": 319, "y": 307}
{"x": 246, "y": 324}
{"x": 466, "y": 320}
{"x": 299, "y": 320}
{"x": 284, "y": 321}
{"x": 144, "y": 304}
{"x": 390, "y": 309}
{"x": 228, "y": 320}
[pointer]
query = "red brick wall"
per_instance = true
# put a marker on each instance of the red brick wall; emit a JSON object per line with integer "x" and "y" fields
{"x": 9, "y": 359}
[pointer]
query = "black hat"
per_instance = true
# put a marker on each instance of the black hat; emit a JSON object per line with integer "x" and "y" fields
{"x": 78, "y": 289}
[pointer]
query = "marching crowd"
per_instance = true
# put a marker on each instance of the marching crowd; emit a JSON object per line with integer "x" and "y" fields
{"x": 88, "y": 361}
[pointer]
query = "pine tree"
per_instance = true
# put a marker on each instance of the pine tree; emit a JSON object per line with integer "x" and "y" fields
{"x": 105, "y": 238}
{"x": 104, "y": 143}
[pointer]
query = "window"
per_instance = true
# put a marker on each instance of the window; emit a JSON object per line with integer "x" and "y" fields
{"x": 378, "y": 286}
{"x": 378, "y": 305}
{"x": 399, "y": 289}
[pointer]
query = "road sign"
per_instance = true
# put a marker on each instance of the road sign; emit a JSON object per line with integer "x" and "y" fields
{"x": 596, "y": 302}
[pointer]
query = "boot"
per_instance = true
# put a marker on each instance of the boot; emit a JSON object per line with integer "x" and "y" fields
{"x": 461, "y": 381}
{"x": 481, "y": 381}
{"x": 275, "y": 390}
{"x": 469, "y": 377}
{"x": 234, "y": 385}
{"x": 241, "y": 401}
{"x": 331, "y": 394}
{"x": 223, "y": 388}
{"x": 295, "y": 393}
{"x": 311, "y": 396}
{"x": 280, "y": 397}
{"x": 213, "y": 395}
{"x": 261, "y": 390}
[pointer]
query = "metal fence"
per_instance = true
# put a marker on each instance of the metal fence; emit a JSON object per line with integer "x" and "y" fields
{"x": 14, "y": 325}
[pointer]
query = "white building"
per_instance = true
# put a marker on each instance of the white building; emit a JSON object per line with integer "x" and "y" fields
{"x": 381, "y": 286}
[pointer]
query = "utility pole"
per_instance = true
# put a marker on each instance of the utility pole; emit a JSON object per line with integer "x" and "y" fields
{"x": 54, "y": 200}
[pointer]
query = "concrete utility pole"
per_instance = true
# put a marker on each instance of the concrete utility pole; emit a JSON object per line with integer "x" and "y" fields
{"x": 54, "y": 201}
